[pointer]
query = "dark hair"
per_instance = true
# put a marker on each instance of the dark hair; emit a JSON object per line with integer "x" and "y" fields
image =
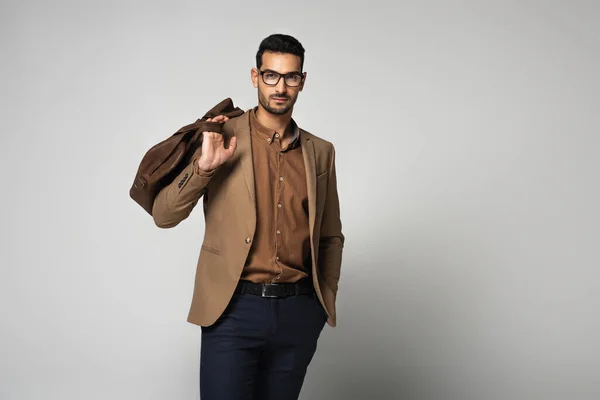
{"x": 280, "y": 43}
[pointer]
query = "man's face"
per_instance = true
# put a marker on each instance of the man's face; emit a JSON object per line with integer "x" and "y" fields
{"x": 277, "y": 99}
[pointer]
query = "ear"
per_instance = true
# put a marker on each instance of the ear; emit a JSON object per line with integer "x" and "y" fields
{"x": 303, "y": 82}
{"x": 254, "y": 77}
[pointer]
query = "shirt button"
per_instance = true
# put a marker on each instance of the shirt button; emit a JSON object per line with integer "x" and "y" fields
{"x": 277, "y": 135}
{"x": 278, "y": 205}
{"x": 269, "y": 140}
{"x": 247, "y": 240}
{"x": 277, "y": 258}
{"x": 281, "y": 153}
{"x": 281, "y": 179}
{"x": 278, "y": 276}
{"x": 278, "y": 232}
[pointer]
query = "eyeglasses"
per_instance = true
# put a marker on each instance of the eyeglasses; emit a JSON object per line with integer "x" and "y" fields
{"x": 291, "y": 79}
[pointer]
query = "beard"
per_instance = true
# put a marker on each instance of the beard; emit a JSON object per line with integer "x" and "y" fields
{"x": 276, "y": 110}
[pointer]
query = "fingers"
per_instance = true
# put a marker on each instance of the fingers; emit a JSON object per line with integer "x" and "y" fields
{"x": 212, "y": 135}
{"x": 218, "y": 118}
{"x": 232, "y": 146}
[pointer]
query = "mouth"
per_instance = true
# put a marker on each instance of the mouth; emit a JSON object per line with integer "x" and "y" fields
{"x": 280, "y": 99}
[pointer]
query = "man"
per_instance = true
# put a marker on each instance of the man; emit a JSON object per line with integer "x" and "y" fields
{"x": 268, "y": 270}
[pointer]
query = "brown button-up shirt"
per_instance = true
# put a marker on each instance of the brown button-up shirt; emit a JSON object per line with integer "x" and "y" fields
{"x": 281, "y": 248}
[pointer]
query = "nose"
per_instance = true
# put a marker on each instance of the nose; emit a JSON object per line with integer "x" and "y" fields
{"x": 281, "y": 87}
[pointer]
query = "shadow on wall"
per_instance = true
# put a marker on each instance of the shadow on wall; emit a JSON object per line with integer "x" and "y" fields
{"x": 406, "y": 327}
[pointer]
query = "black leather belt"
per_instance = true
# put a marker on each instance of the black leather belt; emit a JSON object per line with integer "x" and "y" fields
{"x": 303, "y": 286}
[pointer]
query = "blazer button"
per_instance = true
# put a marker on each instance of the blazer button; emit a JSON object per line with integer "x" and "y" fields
{"x": 247, "y": 240}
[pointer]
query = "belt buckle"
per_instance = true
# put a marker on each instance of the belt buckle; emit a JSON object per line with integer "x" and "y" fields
{"x": 264, "y": 290}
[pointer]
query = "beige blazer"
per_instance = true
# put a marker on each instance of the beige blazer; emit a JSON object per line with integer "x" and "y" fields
{"x": 230, "y": 218}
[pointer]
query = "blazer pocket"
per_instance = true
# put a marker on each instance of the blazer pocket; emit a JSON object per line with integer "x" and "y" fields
{"x": 211, "y": 250}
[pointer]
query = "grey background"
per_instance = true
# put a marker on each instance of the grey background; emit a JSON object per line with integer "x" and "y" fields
{"x": 467, "y": 137}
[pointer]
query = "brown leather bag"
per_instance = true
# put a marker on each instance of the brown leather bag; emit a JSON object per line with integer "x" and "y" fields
{"x": 165, "y": 160}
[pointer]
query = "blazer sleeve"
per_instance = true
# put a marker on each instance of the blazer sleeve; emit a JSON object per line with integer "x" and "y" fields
{"x": 175, "y": 202}
{"x": 332, "y": 239}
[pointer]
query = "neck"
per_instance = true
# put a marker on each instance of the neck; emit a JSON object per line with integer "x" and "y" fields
{"x": 278, "y": 123}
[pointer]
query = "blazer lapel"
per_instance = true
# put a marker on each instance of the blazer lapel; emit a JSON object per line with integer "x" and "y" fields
{"x": 244, "y": 147}
{"x": 308, "y": 153}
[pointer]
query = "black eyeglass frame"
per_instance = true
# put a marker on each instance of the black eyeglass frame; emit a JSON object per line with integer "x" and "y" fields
{"x": 284, "y": 76}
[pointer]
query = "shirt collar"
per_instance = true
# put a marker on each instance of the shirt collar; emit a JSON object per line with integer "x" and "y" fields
{"x": 269, "y": 134}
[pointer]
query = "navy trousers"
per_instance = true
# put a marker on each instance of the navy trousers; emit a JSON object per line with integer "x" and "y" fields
{"x": 260, "y": 348}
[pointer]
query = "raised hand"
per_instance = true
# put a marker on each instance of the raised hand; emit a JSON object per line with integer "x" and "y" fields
{"x": 213, "y": 152}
